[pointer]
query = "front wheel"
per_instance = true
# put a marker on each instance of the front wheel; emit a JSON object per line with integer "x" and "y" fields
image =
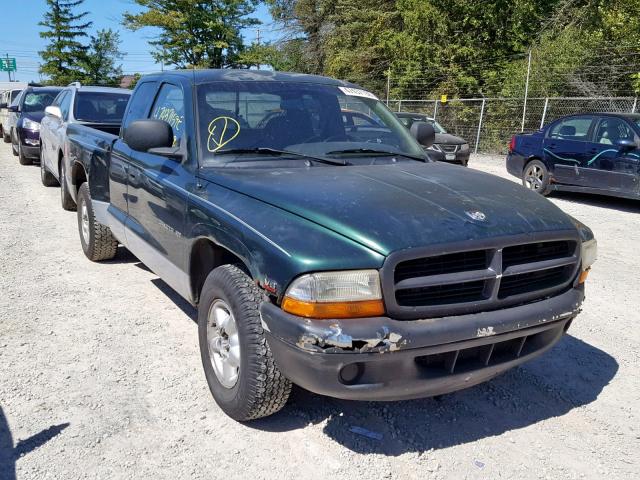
{"x": 21, "y": 157}
{"x": 98, "y": 243}
{"x": 535, "y": 176}
{"x": 238, "y": 364}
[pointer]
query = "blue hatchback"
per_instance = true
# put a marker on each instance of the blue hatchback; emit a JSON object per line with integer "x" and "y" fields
{"x": 593, "y": 153}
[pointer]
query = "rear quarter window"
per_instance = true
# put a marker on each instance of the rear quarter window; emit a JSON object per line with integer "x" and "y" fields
{"x": 575, "y": 128}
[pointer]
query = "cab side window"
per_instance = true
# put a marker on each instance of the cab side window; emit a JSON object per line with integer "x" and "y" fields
{"x": 138, "y": 107}
{"x": 169, "y": 106}
{"x": 610, "y": 130}
{"x": 574, "y": 128}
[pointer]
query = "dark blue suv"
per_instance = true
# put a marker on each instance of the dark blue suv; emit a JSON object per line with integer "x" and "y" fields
{"x": 593, "y": 153}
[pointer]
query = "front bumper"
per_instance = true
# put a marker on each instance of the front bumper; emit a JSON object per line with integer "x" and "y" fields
{"x": 385, "y": 359}
{"x": 30, "y": 142}
{"x": 461, "y": 158}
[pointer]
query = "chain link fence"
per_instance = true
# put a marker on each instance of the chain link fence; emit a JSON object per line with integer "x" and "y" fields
{"x": 489, "y": 123}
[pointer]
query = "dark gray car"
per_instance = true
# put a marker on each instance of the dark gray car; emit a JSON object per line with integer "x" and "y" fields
{"x": 446, "y": 147}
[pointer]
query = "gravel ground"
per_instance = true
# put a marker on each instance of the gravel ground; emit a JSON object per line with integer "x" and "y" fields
{"x": 101, "y": 377}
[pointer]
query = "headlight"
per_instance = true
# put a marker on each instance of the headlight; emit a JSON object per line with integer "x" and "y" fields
{"x": 29, "y": 124}
{"x": 464, "y": 147}
{"x": 348, "y": 294}
{"x": 589, "y": 253}
{"x": 434, "y": 147}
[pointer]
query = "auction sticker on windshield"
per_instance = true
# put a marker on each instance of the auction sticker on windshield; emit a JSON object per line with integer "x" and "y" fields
{"x": 357, "y": 92}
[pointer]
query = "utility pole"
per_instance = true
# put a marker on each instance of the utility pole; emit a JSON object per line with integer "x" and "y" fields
{"x": 388, "y": 84}
{"x": 258, "y": 44}
{"x": 526, "y": 93}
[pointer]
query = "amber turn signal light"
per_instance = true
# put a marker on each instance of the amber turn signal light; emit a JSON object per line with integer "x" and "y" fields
{"x": 583, "y": 275}
{"x": 366, "y": 308}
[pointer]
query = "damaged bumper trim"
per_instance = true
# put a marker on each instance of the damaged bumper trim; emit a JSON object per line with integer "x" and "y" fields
{"x": 385, "y": 359}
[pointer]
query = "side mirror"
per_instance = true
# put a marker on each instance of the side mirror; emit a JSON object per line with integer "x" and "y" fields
{"x": 626, "y": 144}
{"x": 424, "y": 133}
{"x": 13, "y": 108}
{"x": 53, "y": 111}
{"x": 148, "y": 134}
{"x": 3, "y": 105}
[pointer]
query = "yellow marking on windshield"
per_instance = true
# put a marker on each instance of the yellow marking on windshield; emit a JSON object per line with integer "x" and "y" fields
{"x": 218, "y": 133}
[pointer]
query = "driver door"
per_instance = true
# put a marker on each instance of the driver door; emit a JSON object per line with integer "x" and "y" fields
{"x": 157, "y": 197}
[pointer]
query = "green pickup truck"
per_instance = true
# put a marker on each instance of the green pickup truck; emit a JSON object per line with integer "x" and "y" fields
{"x": 329, "y": 254}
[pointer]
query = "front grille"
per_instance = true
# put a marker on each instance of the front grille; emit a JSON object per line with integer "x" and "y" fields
{"x": 467, "y": 281}
{"x": 451, "y": 263}
{"x": 532, "y": 281}
{"x": 536, "y": 252}
{"x": 448, "y": 148}
{"x": 442, "y": 294}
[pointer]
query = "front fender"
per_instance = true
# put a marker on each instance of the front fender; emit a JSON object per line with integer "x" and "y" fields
{"x": 276, "y": 245}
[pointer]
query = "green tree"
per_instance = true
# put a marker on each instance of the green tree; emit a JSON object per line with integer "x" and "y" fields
{"x": 100, "y": 64}
{"x": 64, "y": 54}
{"x": 195, "y": 33}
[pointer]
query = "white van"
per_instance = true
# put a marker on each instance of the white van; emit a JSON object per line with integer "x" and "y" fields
{"x": 6, "y": 98}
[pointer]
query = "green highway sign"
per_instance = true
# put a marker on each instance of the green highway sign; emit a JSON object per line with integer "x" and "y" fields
{"x": 7, "y": 64}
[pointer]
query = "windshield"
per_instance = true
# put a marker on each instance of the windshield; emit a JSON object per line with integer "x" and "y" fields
{"x": 38, "y": 101}
{"x": 14, "y": 94}
{"x": 100, "y": 107}
{"x": 303, "y": 118}
{"x": 408, "y": 120}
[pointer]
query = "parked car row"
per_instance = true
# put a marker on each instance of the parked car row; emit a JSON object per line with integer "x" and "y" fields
{"x": 320, "y": 244}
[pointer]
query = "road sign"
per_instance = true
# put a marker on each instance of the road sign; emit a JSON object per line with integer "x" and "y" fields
{"x": 8, "y": 64}
{"x": 443, "y": 98}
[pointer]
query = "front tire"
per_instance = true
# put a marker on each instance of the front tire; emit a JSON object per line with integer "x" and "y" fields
{"x": 21, "y": 157}
{"x": 65, "y": 197}
{"x": 98, "y": 243}
{"x": 5, "y": 136}
{"x": 535, "y": 176}
{"x": 238, "y": 364}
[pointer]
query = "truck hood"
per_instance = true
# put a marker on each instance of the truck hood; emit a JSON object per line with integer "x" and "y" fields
{"x": 399, "y": 206}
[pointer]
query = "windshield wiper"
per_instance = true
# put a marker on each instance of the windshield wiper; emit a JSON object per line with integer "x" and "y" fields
{"x": 372, "y": 151}
{"x": 274, "y": 151}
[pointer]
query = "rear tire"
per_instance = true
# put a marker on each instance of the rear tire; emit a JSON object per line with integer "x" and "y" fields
{"x": 65, "y": 197}
{"x": 535, "y": 176}
{"x": 98, "y": 243}
{"x": 246, "y": 384}
{"x": 5, "y": 136}
{"x": 47, "y": 178}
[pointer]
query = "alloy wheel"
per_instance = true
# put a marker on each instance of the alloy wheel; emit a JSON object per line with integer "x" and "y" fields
{"x": 223, "y": 343}
{"x": 534, "y": 177}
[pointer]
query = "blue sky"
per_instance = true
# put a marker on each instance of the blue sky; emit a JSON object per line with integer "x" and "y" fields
{"x": 19, "y": 34}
